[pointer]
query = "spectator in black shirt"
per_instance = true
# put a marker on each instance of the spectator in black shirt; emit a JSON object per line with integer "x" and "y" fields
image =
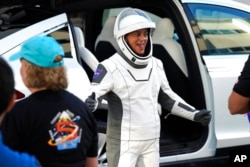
{"x": 51, "y": 123}
{"x": 239, "y": 99}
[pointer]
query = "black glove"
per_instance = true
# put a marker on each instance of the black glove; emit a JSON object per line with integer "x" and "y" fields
{"x": 203, "y": 116}
{"x": 91, "y": 102}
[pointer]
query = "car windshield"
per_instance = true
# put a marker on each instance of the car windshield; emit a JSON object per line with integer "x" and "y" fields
{"x": 220, "y": 30}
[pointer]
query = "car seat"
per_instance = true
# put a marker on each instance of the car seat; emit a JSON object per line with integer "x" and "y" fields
{"x": 89, "y": 61}
{"x": 171, "y": 54}
{"x": 105, "y": 45}
{"x": 166, "y": 48}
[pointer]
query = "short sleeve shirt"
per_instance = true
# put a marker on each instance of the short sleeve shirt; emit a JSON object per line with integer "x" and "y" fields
{"x": 242, "y": 86}
{"x": 56, "y": 127}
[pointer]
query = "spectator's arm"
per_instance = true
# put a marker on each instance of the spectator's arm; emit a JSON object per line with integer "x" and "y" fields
{"x": 238, "y": 104}
{"x": 91, "y": 162}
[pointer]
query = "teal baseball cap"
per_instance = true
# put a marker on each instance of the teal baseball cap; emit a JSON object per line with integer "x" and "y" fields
{"x": 40, "y": 51}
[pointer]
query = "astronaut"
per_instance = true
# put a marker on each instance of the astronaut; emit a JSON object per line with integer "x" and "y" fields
{"x": 133, "y": 82}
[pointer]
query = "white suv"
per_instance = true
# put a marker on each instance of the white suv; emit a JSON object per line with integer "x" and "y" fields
{"x": 203, "y": 46}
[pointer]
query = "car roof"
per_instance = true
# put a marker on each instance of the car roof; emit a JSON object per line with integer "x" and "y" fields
{"x": 100, "y": 4}
{"x": 228, "y": 3}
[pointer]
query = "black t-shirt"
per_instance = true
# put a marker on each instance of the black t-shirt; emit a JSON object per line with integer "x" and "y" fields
{"x": 243, "y": 85}
{"x": 56, "y": 127}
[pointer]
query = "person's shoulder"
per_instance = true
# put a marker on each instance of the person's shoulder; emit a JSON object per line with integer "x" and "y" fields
{"x": 22, "y": 104}
{"x": 109, "y": 64}
{"x": 70, "y": 95}
{"x": 247, "y": 63}
{"x": 157, "y": 61}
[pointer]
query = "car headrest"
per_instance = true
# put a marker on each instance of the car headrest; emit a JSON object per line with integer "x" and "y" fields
{"x": 107, "y": 33}
{"x": 163, "y": 36}
{"x": 164, "y": 29}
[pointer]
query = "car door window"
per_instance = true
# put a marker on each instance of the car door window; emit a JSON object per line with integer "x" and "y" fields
{"x": 62, "y": 36}
{"x": 220, "y": 30}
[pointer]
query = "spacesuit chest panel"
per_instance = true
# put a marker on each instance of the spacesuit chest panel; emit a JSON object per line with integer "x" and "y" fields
{"x": 138, "y": 74}
{"x": 136, "y": 82}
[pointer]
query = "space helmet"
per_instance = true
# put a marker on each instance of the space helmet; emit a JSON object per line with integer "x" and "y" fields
{"x": 129, "y": 20}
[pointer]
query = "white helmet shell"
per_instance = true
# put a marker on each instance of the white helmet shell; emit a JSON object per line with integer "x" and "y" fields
{"x": 129, "y": 20}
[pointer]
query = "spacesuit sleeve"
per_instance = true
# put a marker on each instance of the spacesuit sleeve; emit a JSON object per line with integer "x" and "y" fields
{"x": 172, "y": 102}
{"x": 102, "y": 81}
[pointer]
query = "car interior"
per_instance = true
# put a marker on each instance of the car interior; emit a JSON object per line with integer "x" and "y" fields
{"x": 186, "y": 136}
{"x": 95, "y": 42}
{"x": 105, "y": 44}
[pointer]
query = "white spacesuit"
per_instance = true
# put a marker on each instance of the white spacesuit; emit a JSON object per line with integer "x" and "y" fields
{"x": 133, "y": 85}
